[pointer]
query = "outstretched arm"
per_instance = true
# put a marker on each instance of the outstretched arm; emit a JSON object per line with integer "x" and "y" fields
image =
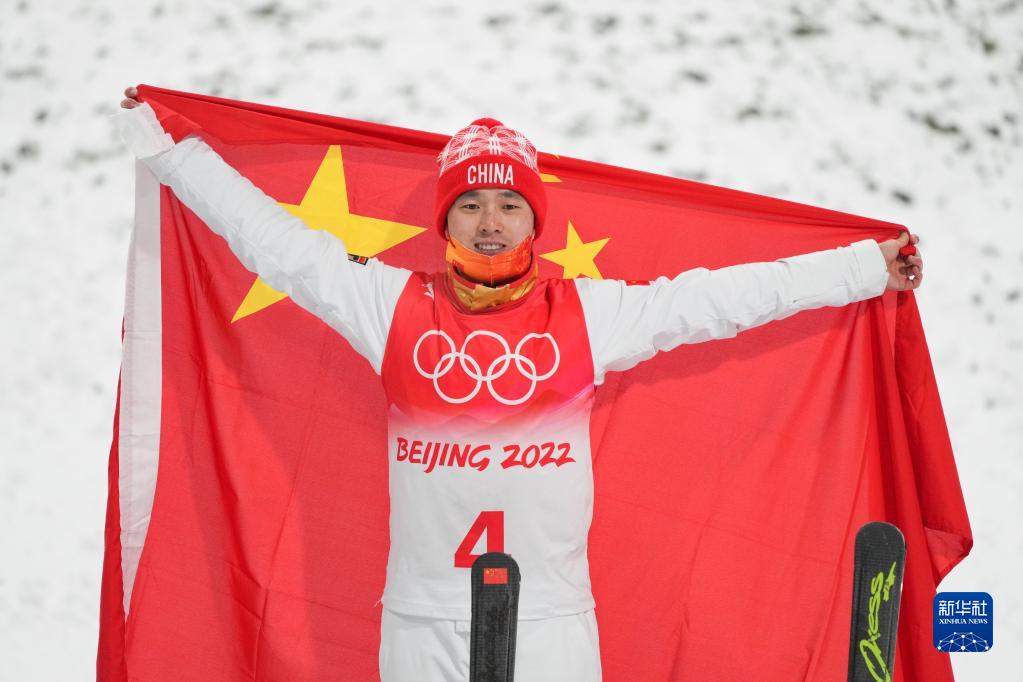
{"x": 630, "y": 323}
{"x": 311, "y": 266}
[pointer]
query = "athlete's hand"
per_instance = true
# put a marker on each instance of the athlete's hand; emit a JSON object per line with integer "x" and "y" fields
{"x": 904, "y": 272}
{"x": 130, "y": 93}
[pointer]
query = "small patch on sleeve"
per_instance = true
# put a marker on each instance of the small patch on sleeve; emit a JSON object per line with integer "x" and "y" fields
{"x": 361, "y": 260}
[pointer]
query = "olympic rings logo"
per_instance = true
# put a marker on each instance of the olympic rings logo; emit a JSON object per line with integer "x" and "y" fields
{"x": 497, "y": 368}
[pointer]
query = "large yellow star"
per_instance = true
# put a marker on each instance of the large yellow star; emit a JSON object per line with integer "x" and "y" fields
{"x": 325, "y": 207}
{"x": 577, "y": 257}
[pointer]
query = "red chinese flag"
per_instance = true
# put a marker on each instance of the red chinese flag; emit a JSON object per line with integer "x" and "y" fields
{"x": 247, "y": 520}
{"x": 495, "y": 576}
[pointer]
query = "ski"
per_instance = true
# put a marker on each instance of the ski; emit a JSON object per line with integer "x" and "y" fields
{"x": 877, "y": 589}
{"x": 495, "y": 609}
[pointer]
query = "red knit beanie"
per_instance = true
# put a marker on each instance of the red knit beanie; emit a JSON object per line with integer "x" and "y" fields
{"x": 485, "y": 154}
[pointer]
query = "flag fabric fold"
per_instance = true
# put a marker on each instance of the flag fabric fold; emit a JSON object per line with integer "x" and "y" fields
{"x": 247, "y": 522}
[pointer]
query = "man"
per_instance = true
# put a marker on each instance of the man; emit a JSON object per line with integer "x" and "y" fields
{"x": 489, "y": 373}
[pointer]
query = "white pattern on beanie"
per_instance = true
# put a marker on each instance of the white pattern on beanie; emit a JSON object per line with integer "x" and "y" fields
{"x": 486, "y": 136}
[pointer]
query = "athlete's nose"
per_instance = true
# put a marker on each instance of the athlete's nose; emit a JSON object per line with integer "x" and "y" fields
{"x": 490, "y": 221}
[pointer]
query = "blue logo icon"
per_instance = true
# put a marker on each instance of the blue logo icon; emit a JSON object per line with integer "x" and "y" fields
{"x": 963, "y": 621}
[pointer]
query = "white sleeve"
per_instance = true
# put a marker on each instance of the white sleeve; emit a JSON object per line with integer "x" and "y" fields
{"x": 630, "y": 323}
{"x": 310, "y": 266}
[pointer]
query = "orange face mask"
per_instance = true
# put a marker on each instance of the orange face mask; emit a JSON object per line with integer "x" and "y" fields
{"x": 490, "y": 270}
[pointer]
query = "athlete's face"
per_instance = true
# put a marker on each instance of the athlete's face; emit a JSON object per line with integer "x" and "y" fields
{"x": 490, "y": 221}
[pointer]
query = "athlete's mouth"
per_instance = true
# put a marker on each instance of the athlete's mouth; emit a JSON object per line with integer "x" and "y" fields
{"x": 489, "y": 248}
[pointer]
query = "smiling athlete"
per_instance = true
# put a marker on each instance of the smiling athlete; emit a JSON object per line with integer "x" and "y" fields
{"x": 489, "y": 373}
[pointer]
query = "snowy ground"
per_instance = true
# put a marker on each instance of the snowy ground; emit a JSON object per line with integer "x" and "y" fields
{"x": 905, "y": 111}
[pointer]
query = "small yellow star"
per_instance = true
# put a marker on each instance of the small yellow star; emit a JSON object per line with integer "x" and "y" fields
{"x": 325, "y": 207}
{"x": 577, "y": 257}
{"x": 550, "y": 177}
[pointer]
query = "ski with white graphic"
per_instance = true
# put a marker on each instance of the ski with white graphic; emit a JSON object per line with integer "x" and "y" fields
{"x": 877, "y": 590}
{"x": 495, "y": 617}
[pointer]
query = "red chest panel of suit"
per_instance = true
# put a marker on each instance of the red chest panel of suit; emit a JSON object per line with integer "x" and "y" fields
{"x": 518, "y": 363}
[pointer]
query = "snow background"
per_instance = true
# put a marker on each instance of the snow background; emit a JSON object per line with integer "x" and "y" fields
{"x": 905, "y": 111}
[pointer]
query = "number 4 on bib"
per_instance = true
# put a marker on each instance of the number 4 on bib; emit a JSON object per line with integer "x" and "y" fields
{"x": 491, "y": 522}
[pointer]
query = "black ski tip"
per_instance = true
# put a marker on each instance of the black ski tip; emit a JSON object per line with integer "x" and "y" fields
{"x": 881, "y": 534}
{"x": 878, "y": 568}
{"x": 495, "y": 600}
